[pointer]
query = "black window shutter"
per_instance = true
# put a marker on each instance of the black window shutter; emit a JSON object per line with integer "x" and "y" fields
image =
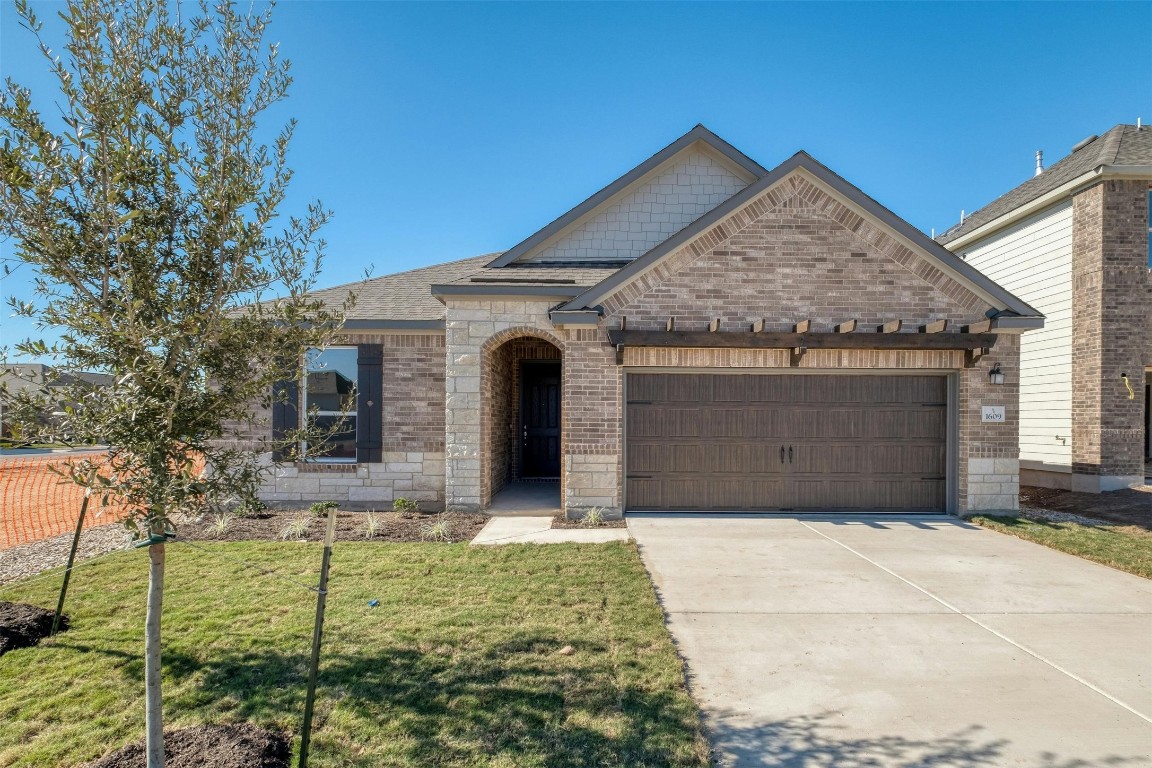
{"x": 369, "y": 393}
{"x": 285, "y": 413}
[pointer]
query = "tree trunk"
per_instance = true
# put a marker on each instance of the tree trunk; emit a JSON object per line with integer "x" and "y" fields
{"x": 154, "y": 715}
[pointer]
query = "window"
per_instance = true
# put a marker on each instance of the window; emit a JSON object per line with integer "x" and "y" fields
{"x": 330, "y": 394}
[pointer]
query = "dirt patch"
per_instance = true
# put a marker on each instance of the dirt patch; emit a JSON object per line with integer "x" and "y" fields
{"x": 23, "y": 626}
{"x": 562, "y": 522}
{"x": 272, "y": 525}
{"x": 220, "y": 746}
{"x": 1132, "y": 506}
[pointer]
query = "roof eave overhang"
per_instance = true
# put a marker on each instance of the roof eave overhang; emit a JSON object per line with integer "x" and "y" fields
{"x": 1011, "y": 325}
{"x": 578, "y": 318}
{"x": 393, "y": 325}
{"x": 1047, "y": 199}
{"x": 854, "y": 198}
{"x": 520, "y": 292}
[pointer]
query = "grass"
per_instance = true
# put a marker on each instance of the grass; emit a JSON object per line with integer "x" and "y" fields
{"x": 457, "y": 666}
{"x": 1125, "y": 547}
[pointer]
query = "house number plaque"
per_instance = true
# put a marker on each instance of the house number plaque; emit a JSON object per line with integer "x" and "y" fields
{"x": 992, "y": 413}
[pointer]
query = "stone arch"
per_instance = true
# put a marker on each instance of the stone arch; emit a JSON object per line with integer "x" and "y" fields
{"x": 501, "y": 359}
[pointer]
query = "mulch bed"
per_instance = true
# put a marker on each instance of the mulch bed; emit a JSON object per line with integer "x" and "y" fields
{"x": 219, "y": 746}
{"x": 562, "y": 522}
{"x": 1131, "y": 506}
{"x": 268, "y": 526}
{"x": 22, "y": 625}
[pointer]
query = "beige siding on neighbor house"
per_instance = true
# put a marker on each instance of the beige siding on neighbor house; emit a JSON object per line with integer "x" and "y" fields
{"x": 1034, "y": 261}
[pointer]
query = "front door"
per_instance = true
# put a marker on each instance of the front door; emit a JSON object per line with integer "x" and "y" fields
{"x": 540, "y": 419}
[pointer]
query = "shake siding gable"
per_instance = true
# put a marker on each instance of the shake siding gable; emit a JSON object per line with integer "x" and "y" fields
{"x": 1034, "y": 259}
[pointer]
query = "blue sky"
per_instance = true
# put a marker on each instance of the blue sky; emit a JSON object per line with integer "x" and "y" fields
{"x": 438, "y": 131}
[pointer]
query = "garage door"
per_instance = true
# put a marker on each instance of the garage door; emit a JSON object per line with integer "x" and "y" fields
{"x": 720, "y": 442}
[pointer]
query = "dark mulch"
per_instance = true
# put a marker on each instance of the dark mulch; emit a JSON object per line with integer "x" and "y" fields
{"x": 268, "y": 525}
{"x": 1131, "y": 506}
{"x": 22, "y": 626}
{"x": 562, "y": 522}
{"x": 219, "y": 746}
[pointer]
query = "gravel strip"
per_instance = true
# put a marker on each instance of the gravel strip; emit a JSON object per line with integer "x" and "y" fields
{"x": 27, "y": 560}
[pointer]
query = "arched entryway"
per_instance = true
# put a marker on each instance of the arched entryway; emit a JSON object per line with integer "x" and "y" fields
{"x": 521, "y": 384}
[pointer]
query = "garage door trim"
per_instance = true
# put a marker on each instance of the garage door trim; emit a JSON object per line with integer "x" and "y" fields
{"x": 952, "y": 434}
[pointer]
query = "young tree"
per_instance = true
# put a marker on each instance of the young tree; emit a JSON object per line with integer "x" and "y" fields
{"x": 147, "y": 209}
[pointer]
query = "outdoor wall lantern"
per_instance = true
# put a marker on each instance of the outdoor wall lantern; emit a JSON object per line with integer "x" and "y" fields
{"x": 996, "y": 376}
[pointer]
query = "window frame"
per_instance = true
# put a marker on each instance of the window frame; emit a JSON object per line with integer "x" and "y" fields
{"x": 354, "y": 413}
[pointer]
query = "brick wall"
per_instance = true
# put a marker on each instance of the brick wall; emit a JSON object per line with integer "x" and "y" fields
{"x": 1110, "y": 333}
{"x": 412, "y": 411}
{"x": 790, "y": 255}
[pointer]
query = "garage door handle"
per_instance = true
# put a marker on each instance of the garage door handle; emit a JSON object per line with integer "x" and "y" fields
{"x": 781, "y": 454}
{"x": 789, "y": 454}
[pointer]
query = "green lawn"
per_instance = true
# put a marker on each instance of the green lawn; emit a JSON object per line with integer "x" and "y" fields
{"x": 1125, "y": 547}
{"x": 457, "y": 666}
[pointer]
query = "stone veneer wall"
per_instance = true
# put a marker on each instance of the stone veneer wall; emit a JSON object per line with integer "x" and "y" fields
{"x": 412, "y": 410}
{"x": 1112, "y": 333}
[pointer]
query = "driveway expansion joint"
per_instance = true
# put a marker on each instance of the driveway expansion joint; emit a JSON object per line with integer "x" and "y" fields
{"x": 972, "y": 618}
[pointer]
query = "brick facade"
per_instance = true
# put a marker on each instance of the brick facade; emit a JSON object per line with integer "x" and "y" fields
{"x": 795, "y": 253}
{"x": 412, "y": 411}
{"x": 1111, "y": 333}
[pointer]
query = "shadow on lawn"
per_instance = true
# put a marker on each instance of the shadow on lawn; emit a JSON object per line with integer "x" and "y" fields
{"x": 517, "y": 700}
{"x": 813, "y": 741}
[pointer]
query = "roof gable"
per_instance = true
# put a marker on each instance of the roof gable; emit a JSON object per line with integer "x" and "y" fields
{"x": 844, "y": 203}
{"x": 628, "y": 217}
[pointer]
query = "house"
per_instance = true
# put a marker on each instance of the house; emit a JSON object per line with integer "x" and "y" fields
{"x": 39, "y": 385}
{"x": 701, "y": 334}
{"x": 1073, "y": 241}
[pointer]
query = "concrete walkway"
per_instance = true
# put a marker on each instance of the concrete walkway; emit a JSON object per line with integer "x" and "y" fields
{"x": 882, "y": 642}
{"x": 539, "y": 530}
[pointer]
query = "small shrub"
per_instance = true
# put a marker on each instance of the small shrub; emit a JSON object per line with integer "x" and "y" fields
{"x": 372, "y": 525}
{"x": 221, "y": 523}
{"x": 441, "y": 530}
{"x": 249, "y": 507}
{"x": 406, "y": 507}
{"x": 296, "y": 530}
{"x": 320, "y": 508}
{"x": 594, "y": 516}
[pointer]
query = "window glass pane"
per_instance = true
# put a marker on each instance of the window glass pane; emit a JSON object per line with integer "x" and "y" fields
{"x": 341, "y": 444}
{"x": 331, "y": 379}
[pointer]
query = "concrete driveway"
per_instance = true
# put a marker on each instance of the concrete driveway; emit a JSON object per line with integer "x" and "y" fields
{"x": 882, "y": 642}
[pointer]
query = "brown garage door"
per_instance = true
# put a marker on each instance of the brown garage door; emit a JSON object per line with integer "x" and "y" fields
{"x": 715, "y": 442}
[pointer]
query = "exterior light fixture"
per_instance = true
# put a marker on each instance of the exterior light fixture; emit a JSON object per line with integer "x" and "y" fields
{"x": 996, "y": 376}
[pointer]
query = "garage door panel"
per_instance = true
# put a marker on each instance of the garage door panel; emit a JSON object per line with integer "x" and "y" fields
{"x": 869, "y": 443}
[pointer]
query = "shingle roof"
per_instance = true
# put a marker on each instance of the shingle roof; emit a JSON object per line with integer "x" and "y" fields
{"x": 1122, "y": 145}
{"x": 404, "y": 295}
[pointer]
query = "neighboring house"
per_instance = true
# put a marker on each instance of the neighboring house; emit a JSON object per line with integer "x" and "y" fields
{"x": 1073, "y": 241}
{"x": 701, "y": 334}
{"x": 36, "y": 380}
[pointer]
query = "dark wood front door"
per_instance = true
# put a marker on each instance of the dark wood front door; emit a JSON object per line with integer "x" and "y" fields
{"x": 786, "y": 442}
{"x": 540, "y": 419}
